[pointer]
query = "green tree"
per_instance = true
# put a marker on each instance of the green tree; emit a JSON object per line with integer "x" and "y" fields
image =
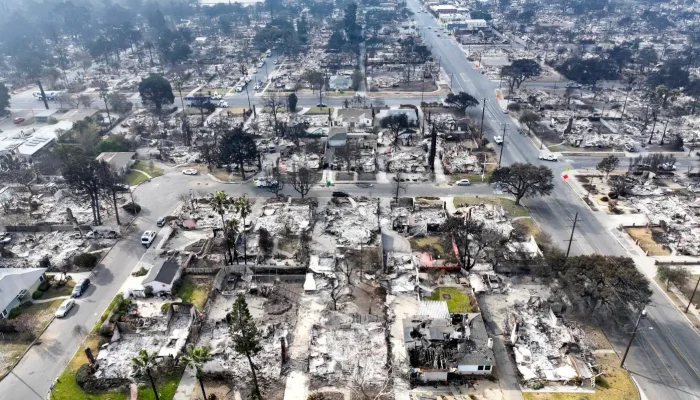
{"x": 119, "y": 103}
{"x": 519, "y": 71}
{"x": 395, "y": 123}
{"x": 292, "y": 100}
{"x": 156, "y": 92}
{"x": 196, "y": 357}
{"x": 608, "y": 165}
{"x": 4, "y": 100}
{"x": 678, "y": 276}
{"x": 143, "y": 364}
{"x": 461, "y": 100}
{"x": 529, "y": 118}
{"x": 245, "y": 336}
{"x": 221, "y": 204}
{"x": 522, "y": 180}
{"x": 243, "y": 207}
{"x": 238, "y": 148}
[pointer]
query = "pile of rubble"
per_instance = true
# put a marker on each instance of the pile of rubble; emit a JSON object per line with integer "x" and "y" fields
{"x": 352, "y": 221}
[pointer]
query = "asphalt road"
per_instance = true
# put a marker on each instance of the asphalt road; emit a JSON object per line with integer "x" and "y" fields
{"x": 665, "y": 357}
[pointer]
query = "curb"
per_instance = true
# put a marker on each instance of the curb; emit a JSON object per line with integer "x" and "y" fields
{"x": 14, "y": 364}
{"x": 215, "y": 179}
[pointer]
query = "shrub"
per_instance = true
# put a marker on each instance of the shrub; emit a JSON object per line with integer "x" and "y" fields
{"x": 148, "y": 290}
{"x": 44, "y": 286}
{"x": 7, "y": 327}
{"x": 37, "y": 294}
{"x": 14, "y": 313}
{"x": 86, "y": 261}
{"x": 132, "y": 208}
{"x": 604, "y": 199}
{"x": 83, "y": 375}
{"x": 613, "y": 195}
{"x": 211, "y": 396}
{"x": 106, "y": 330}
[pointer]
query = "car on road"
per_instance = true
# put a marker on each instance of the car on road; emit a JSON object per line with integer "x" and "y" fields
{"x": 148, "y": 237}
{"x": 64, "y": 308}
{"x": 161, "y": 222}
{"x": 239, "y": 89}
{"x": 216, "y": 96}
{"x": 190, "y": 171}
{"x": 340, "y": 194}
{"x": 18, "y": 120}
{"x": 548, "y": 157}
{"x": 263, "y": 182}
{"x": 222, "y": 104}
{"x": 364, "y": 185}
{"x": 498, "y": 139}
{"x": 438, "y": 35}
{"x": 257, "y": 87}
{"x": 667, "y": 167}
{"x": 80, "y": 287}
{"x": 463, "y": 182}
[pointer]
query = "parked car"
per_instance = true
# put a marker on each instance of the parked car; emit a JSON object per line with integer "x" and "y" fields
{"x": 161, "y": 222}
{"x": 64, "y": 308}
{"x": 340, "y": 194}
{"x": 263, "y": 182}
{"x": 18, "y": 120}
{"x": 667, "y": 167}
{"x": 147, "y": 238}
{"x": 548, "y": 157}
{"x": 498, "y": 139}
{"x": 190, "y": 171}
{"x": 80, "y": 287}
{"x": 463, "y": 182}
{"x": 364, "y": 185}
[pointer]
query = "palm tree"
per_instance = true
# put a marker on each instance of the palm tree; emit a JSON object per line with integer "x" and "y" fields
{"x": 243, "y": 207}
{"x": 195, "y": 358}
{"x": 232, "y": 227}
{"x": 220, "y": 204}
{"x": 143, "y": 364}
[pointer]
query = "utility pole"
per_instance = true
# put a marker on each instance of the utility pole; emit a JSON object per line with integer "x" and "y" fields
{"x": 502, "y": 145}
{"x": 483, "y": 111}
{"x": 571, "y": 238}
{"x": 624, "y": 104}
{"x": 43, "y": 95}
{"x": 692, "y": 295}
{"x": 634, "y": 332}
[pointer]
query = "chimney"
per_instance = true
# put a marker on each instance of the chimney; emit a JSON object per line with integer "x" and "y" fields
{"x": 284, "y": 350}
{"x": 88, "y": 354}
{"x": 489, "y": 343}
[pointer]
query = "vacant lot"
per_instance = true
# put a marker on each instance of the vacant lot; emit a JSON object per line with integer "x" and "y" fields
{"x": 513, "y": 209}
{"x": 645, "y": 238}
{"x": 458, "y": 301}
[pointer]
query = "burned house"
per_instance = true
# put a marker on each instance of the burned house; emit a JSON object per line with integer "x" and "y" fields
{"x": 440, "y": 349}
{"x": 546, "y": 346}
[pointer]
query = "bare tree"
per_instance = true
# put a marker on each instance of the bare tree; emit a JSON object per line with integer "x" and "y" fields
{"x": 85, "y": 100}
{"x": 339, "y": 288}
{"x": 273, "y": 104}
{"x": 276, "y": 181}
{"x": 303, "y": 179}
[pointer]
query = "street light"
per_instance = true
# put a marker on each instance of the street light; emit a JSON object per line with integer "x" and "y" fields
{"x": 642, "y": 314}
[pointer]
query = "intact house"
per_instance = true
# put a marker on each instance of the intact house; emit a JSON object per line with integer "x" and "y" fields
{"x": 440, "y": 349}
{"x": 120, "y": 162}
{"x": 161, "y": 277}
{"x": 353, "y": 118}
{"x": 17, "y": 286}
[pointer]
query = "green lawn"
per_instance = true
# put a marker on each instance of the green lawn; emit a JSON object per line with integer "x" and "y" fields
{"x": 166, "y": 388}
{"x": 432, "y": 242}
{"x": 43, "y": 312}
{"x": 457, "y": 303}
{"x": 194, "y": 292}
{"x": 148, "y": 167}
{"x": 319, "y": 111}
{"x": 54, "y": 291}
{"x": 106, "y": 312}
{"x": 510, "y": 206}
{"x": 134, "y": 178}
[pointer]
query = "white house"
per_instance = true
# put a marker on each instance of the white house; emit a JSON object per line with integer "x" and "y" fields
{"x": 120, "y": 162}
{"x": 17, "y": 286}
{"x": 161, "y": 276}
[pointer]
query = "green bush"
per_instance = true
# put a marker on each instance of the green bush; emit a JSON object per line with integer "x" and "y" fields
{"x": 86, "y": 261}
{"x": 83, "y": 375}
{"x": 14, "y": 313}
{"x": 37, "y": 294}
{"x": 7, "y": 327}
{"x": 44, "y": 286}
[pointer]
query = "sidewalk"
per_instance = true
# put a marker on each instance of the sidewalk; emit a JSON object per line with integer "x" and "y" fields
{"x": 187, "y": 383}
